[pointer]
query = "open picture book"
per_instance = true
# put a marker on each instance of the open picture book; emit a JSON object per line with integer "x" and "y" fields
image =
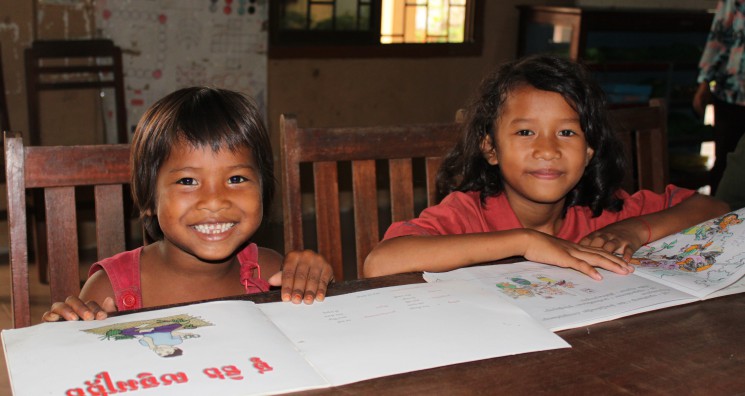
{"x": 701, "y": 262}
{"x": 242, "y": 348}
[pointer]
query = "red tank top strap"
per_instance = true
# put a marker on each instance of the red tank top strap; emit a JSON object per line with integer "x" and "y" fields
{"x": 251, "y": 271}
{"x": 123, "y": 271}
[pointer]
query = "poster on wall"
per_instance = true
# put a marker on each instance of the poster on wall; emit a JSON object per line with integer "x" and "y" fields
{"x": 171, "y": 44}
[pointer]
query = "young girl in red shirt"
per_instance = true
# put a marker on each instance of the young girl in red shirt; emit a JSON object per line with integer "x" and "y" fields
{"x": 202, "y": 178}
{"x": 537, "y": 174}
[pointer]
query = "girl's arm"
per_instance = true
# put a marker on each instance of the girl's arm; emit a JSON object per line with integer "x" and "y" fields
{"x": 437, "y": 253}
{"x": 95, "y": 302}
{"x": 626, "y": 236}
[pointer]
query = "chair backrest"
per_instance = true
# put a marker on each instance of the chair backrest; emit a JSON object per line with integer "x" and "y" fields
{"x": 58, "y": 170}
{"x": 73, "y": 64}
{"x": 643, "y": 130}
{"x": 324, "y": 148}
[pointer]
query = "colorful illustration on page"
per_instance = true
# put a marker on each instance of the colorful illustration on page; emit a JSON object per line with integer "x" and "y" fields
{"x": 163, "y": 336}
{"x": 543, "y": 286}
{"x": 699, "y": 249}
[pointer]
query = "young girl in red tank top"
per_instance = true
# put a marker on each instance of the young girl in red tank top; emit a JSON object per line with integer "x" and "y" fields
{"x": 202, "y": 178}
{"x": 537, "y": 174}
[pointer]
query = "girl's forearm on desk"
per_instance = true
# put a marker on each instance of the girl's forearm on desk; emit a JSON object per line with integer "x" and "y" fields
{"x": 437, "y": 253}
{"x": 690, "y": 212}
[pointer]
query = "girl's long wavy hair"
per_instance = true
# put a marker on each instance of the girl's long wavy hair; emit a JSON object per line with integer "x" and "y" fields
{"x": 202, "y": 117}
{"x": 466, "y": 169}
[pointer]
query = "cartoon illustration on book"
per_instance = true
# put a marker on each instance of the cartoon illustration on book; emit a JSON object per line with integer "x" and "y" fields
{"x": 696, "y": 257}
{"x": 161, "y": 335}
{"x": 519, "y": 287}
{"x": 719, "y": 226}
{"x": 702, "y": 249}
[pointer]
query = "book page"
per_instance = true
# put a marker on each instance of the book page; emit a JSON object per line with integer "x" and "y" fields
{"x": 737, "y": 287}
{"x": 217, "y": 348}
{"x": 699, "y": 260}
{"x": 562, "y": 298}
{"x": 392, "y": 330}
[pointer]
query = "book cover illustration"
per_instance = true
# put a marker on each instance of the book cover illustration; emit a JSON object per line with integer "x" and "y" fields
{"x": 163, "y": 336}
{"x": 705, "y": 257}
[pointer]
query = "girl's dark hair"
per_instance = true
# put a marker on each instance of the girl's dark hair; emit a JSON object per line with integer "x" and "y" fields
{"x": 466, "y": 169}
{"x": 201, "y": 117}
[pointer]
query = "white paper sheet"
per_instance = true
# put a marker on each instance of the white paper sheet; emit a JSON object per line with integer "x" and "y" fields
{"x": 387, "y": 331}
{"x": 235, "y": 348}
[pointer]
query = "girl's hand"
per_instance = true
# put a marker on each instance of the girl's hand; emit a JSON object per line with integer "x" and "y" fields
{"x": 547, "y": 249}
{"x": 75, "y": 309}
{"x": 622, "y": 238}
{"x": 304, "y": 277}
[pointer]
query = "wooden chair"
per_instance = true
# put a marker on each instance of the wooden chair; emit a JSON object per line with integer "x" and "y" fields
{"x": 57, "y": 170}
{"x": 73, "y": 64}
{"x": 643, "y": 129}
{"x": 53, "y": 65}
{"x": 324, "y": 148}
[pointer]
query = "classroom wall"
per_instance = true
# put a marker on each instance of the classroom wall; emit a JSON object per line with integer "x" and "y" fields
{"x": 321, "y": 92}
{"x": 67, "y": 117}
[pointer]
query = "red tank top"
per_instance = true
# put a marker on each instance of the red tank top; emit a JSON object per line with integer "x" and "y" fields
{"x": 123, "y": 271}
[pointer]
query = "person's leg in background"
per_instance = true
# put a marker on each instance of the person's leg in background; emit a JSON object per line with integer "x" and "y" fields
{"x": 729, "y": 126}
{"x": 732, "y": 185}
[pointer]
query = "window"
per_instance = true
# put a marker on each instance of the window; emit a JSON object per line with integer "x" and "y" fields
{"x": 363, "y": 28}
{"x": 441, "y": 21}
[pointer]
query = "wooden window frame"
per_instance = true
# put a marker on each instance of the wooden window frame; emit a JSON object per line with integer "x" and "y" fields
{"x": 325, "y": 44}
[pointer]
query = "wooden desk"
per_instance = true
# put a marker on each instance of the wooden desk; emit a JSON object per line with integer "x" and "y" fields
{"x": 694, "y": 349}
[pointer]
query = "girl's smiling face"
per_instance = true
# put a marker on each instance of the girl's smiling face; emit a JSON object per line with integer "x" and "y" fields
{"x": 540, "y": 147}
{"x": 208, "y": 203}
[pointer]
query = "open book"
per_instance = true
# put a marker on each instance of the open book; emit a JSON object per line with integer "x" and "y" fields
{"x": 242, "y": 348}
{"x": 704, "y": 261}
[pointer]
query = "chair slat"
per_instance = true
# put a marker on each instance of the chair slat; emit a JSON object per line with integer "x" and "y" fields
{"x": 50, "y": 166}
{"x": 402, "y": 192}
{"x": 432, "y": 165}
{"x": 383, "y": 142}
{"x": 328, "y": 228}
{"x": 110, "y": 227}
{"x": 365, "y": 198}
{"x": 291, "y": 193}
{"x": 62, "y": 242}
{"x": 16, "y": 191}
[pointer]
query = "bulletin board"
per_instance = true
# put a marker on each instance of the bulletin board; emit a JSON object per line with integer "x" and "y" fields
{"x": 171, "y": 44}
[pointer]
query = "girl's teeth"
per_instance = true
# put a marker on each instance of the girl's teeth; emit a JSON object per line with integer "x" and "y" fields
{"x": 213, "y": 228}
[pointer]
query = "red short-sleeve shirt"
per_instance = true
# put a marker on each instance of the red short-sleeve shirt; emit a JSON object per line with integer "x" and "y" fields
{"x": 463, "y": 213}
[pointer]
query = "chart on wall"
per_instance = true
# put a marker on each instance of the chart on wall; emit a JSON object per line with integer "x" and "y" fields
{"x": 171, "y": 44}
